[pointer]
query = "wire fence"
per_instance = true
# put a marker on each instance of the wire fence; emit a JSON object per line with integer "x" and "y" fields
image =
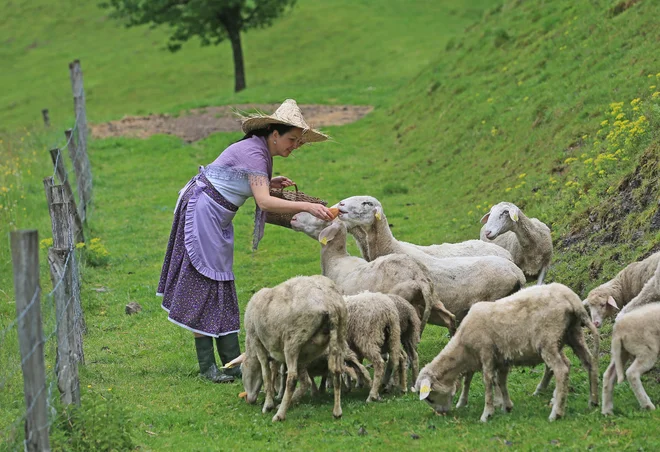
{"x": 41, "y": 347}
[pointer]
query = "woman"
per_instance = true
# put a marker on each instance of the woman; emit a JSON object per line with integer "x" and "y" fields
{"x": 197, "y": 281}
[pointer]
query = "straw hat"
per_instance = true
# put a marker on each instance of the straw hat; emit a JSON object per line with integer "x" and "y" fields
{"x": 288, "y": 113}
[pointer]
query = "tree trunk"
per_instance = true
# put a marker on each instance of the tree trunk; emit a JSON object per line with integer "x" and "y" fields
{"x": 239, "y": 71}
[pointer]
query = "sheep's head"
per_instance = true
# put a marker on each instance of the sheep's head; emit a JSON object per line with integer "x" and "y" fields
{"x": 438, "y": 395}
{"x": 336, "y": 229}
{"x": 252, "y": 378}
{"x": 309, "y": 224}
{"x": 600, "y": 305}
{"x": 442, "y": 317}
{"x": 360, "y": 211}
{"x": 500, "y": 219}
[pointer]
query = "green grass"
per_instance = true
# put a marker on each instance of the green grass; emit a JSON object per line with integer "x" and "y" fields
{"x": 472, "y": 100}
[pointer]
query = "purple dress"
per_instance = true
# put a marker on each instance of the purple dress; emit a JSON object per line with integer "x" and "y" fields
{"x": 197, "y": 279}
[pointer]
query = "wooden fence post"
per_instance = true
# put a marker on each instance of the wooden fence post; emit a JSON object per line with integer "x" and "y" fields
{"x": 85, "y": 174}
{"x": 44, "y": 113}
{"x": 62, "y": 246}
{"x": 25, "y": 262}
{"x": 57, "y": 157}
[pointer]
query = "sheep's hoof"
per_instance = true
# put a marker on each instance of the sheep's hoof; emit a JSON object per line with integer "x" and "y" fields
{"x": 607, "y": 412}
{"x": 649, "y": 407}
{"x": 337, "y": 415}
{"x": 554, "y": 416}
{"x": 373, "y": 399}
{"x": 593, "y": 403}
{"x": 485, "y": 417}
{"x": 267, "y": 408}
{"x": 279, "y": 417}
{"x": 461, "y": 404}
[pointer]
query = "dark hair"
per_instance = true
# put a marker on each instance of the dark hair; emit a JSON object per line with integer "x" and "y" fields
{"x": 265, "y": 131}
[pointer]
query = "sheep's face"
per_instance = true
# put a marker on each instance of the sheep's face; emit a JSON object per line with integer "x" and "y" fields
{"x": 439, "y": 396}
{"x": 360, "y": 211}
{"x": 309, "y": 224}
{"x": 500, "y": 219}
{"x": 252, "y": 379}
{"x": 601, "y": 306}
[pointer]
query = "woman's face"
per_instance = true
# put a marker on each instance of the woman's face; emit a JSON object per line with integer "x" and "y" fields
{"x": 284, "y": 145}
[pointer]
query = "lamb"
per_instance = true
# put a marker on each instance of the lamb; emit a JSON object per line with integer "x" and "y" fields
{"x": 459, "y": 281}
{"x": 373, "y": 328}
{"x": 613, "y": 295}
{"x": 636, "y": 335}
{"x": 293, "y": 323}
{"x": 527, "y": 239}
{"x": 526, "y": 328}
{"x": 396, "y": 273}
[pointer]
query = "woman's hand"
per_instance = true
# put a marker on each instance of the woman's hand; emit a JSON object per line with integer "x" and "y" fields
{"x": 319, "y": 211}
{"x": 281, "y": 182}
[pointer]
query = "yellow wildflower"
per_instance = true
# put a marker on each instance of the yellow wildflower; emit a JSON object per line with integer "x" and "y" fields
{"x": 522, "y": 175}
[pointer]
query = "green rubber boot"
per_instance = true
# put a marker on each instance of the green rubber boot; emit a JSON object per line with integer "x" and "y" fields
{"x": 206, "y": 357}
{"x": 228, "y": 349}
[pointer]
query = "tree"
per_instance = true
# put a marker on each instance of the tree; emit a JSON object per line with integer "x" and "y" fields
{"x": 212, "y": 21}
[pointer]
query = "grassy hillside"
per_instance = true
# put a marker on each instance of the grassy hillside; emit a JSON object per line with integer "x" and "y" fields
{"x": 476, "y": 103}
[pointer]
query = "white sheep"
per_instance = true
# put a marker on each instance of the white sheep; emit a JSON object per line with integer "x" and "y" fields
{"x": 294, "y": 322}
{"x": 459, "y": 281}
{"x": 527, "y": 239}
{"x": 373, "y": 329}
{"x": 636, "y": 335}
{"x": 395, "y": 273}
{"x": 650, "y": 293}
{"x": 603, "y": 301}
{"x": 526, "y": 328}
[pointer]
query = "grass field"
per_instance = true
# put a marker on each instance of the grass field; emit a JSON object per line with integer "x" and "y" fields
{"x": 554, "y": 106}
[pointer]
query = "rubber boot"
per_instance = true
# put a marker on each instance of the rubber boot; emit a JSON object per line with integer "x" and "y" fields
{"x": 206, "y": 357}
{"x": 228, "y": 349}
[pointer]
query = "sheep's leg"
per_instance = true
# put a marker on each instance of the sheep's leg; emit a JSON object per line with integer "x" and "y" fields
{"x": 291, "y": 357}
{"x": 279, "y": 370}
{"x": 559, "y": 366}
{"x": 403, "y": 371}
{"x": 413, "y": 357}
{"x": 545, "y": 381}
{"x": 578, "y": 344}
{"x": 489, "y": 375}
{"x": 541, "y": 277}
{"x": 305, "y": 382}
{"x": 323, "y": 384}
{"x": 641, "y": 365}
{"x": 267, "y": 375}
{"x": 609, "y": 377}
{"x": 379, "y": 370}
{"x": 313, "y": 388}
{"x": 463, "y": 399}
{"x": 502, "y": 375}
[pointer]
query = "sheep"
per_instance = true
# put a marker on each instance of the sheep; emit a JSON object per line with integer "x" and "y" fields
{"x": 650, "y": 293}
{"x": 637, "y": 335}
{"x": 396, "y": 273}
{"x": 526, "y": 328}
{"x": 293, "y": 323}
{"x": 527, "y": 239}
{"x": 373, "y": 328}
{"x": 459, "y": 281}
{"x": 613, "y": 295}
{"x": 410, "y": 331}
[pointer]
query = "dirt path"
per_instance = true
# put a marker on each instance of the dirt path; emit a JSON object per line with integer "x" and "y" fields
{"x": 197, "y": 124}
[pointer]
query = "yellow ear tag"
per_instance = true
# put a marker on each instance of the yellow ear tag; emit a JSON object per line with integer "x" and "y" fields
{"x": 425, "y": 388}
{"x": 515, "y": 216}
{"x": 324, "y": 241}
{"x": 378, "y": 217}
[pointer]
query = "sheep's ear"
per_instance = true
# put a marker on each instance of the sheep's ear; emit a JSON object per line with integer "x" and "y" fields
{"x": 513, "y": 213}
{"x": 612, "y": 302}
{"x": 585, "y": 302}
{"x": 378, "y": 213}
{"x": 329, "y": 233}
{"x": 424, "y": 389}
{"x": 484, "y": 219}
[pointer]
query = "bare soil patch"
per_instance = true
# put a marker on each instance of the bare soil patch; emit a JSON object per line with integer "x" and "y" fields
{"x": 194, "y": 125}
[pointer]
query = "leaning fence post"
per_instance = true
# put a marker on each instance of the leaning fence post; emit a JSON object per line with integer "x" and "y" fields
{"x": 25, "y": 262}
{"x": 85, "y": 174}
{"x": 63, "y": 245}
{"x": 57, "y": 157}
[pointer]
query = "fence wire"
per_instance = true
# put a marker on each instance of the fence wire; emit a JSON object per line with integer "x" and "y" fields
{"x": 12, "y": 397}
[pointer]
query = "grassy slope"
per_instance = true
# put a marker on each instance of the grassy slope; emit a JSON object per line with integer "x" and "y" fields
{"x": 516, "y": 94}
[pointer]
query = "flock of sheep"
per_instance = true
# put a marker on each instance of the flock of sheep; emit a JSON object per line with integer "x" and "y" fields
{"x": 376, "y": 307}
